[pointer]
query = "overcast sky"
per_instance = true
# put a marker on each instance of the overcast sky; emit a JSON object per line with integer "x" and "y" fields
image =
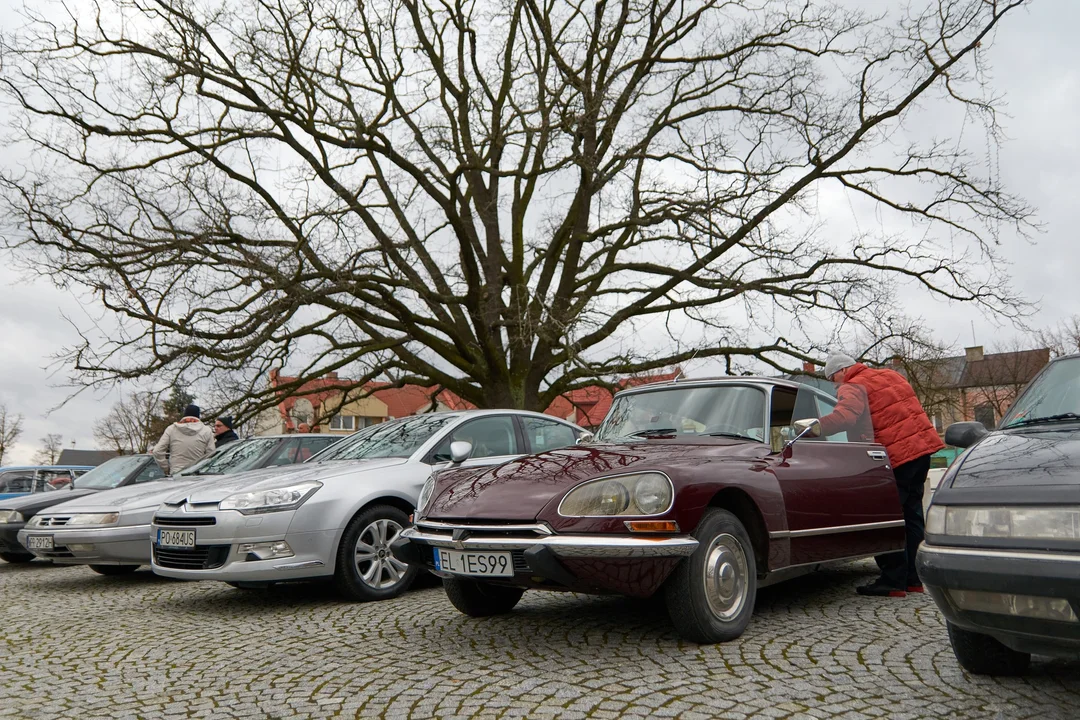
{"x": 1036, "y": 63}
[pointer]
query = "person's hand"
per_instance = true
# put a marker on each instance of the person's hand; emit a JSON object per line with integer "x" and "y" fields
{"x": 812, "y": 423}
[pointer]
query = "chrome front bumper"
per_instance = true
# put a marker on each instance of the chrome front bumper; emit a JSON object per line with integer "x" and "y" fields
{"x": 511, "y": 537}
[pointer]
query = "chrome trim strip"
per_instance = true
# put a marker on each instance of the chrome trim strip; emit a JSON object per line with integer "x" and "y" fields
{"x": 300, "y": 565}
{"x": 538, "y": 528}
{"x": 582, "y": 546}
{"x": 1002, "y": 554}
{"x": 835, "y": 530}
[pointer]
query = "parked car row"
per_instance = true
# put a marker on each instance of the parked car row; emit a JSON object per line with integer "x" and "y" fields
{"x": 700, "y": 491}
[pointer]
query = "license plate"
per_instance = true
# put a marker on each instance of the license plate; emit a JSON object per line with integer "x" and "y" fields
{"x": 176, "y": 538}
{"x": 39, "y": 542}
{"x": 483, "y": 564}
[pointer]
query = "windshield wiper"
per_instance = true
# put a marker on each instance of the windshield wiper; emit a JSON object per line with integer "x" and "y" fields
{"x": 1060, "y": 417}
{"x": 740, "y": 436}
{"x": 648, "y": 432}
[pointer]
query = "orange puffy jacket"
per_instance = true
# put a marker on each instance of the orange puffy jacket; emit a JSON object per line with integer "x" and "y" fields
{"x": 897, "y": 416}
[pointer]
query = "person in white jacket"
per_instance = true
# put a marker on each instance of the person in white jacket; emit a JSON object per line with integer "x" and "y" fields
{"x": 184, "y": 443}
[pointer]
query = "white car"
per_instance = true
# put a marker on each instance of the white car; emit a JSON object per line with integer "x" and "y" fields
{"x": 336, "y": 515}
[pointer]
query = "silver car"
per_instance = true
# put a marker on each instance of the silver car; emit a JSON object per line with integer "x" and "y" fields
{"x": 337, "y": 515}
{"x": 110, "y": 530}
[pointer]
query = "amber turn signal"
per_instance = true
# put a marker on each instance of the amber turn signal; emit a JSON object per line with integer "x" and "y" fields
{"x": 652, "y": 526}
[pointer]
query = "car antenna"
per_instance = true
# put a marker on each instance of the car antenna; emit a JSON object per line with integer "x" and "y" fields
{"x": 680, "y": 373}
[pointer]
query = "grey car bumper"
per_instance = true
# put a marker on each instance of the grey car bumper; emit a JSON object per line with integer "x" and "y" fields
{"x": 118, "y": 545}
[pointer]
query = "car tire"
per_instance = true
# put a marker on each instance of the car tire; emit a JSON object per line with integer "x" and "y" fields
{"x": 983, "y": 655}
{"x": 710, "y": 595}
{"x": 366, "y": 569}
{"x": 110, "y": 570}
{"x": 16, "y": 558}
{"x": 477, "y": 599}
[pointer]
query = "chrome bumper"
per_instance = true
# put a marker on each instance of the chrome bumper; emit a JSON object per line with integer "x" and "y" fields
{"x": 563, "y": 546}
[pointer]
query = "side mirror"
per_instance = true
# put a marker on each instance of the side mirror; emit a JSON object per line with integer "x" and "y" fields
{"x": 460, "y": 450}
{"x": 965, "y": 434}
{"x": 585, "y": 437}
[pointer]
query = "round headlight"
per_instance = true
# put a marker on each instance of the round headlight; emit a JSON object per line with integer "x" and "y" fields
{"x": 611, "y": 497}
{"x": 652, "y": 494}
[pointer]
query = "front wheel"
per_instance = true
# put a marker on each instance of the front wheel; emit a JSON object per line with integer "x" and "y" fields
{"x": 16, "y": 558}
{"x": 480, "y": 599}
{"x": 110, "y": 570}
{"x": 366, "y": 569}
{"x": 983, "y": 655}
{"x": 710, "y": 595}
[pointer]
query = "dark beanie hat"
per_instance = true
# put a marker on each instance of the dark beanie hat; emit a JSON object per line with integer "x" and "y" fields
{"x": 227, "y": 421}
{"x": 192, "y": 411}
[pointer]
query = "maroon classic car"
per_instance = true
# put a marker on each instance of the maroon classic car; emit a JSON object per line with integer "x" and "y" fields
{"x": 697, "y": 489}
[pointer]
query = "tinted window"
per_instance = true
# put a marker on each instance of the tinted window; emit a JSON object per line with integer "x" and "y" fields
{"x": 489, "y": 436}
{"x": 111, "y": 473}
{"x": 547, "y": 435}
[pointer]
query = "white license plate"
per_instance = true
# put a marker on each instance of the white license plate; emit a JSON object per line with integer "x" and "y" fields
{"x": 483, "y": 564}
{"x": 176, "y": 538}
{"x": 39, "y": 542}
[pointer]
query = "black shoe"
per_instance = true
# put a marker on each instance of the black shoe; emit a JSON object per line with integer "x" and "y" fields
{"x": 878, "y": 588}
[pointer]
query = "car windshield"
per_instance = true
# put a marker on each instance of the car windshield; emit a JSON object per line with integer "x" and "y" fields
{"x": 110, "y": 473}
{"x": 1054, "y": 396}
{"x": 724, "y": 410}
{"x": 396, "y": 438}
{"x": 235, "y": 457}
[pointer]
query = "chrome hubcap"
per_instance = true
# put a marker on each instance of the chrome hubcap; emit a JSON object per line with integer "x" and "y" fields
{"x": 726, "y": 576}
{"x": 375, "y": 564}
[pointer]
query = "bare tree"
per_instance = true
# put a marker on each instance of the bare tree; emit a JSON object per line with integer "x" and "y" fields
{"x": 51, "y": 447}
{"x": 10, "y": 430}
{"x": 1063, "y": 339}
{"x": 498, "y": 198}
{"x": 132, "y": 425}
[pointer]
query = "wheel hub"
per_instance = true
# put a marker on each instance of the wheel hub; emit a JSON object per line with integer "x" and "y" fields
{"x": 726, "y": 576}
{"x": 375, "y": 564}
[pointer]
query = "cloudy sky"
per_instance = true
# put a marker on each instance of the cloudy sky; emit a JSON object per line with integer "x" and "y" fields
{"x": 1036, "y": 65}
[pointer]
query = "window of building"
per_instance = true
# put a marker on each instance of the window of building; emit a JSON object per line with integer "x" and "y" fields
{"x": 985, "y": 415}
{"x": 343, "y": 422}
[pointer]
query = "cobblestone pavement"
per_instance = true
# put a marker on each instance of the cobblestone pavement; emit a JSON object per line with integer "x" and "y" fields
{"x": 83, "y": 646}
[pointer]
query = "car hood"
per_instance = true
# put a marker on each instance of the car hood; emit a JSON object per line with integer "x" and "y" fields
{"x": 521, "y": 488}
{"x": 129, "y": 497}
{"x": 216, "y": 491}
{"x": 30, "y": 505}
{"x": 1015, "y": 459}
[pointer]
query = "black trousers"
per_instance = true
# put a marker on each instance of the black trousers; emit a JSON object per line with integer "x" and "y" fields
{"x": 898, "y": 569}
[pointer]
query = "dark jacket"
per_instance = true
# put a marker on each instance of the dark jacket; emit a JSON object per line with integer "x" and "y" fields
{"x": 227, "y": 437}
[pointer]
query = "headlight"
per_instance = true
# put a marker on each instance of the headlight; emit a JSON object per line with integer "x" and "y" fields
{"x": 11, "y": 516}
{"x": 1021, "y": 523}
{"x": 92, "y": 519}
{"x": 273, "y": 500}
{"x": 425, "y": 495}
{"x": 647, "y": 493}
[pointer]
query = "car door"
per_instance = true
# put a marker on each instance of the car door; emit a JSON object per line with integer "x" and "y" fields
{"x": 840, "y": 497}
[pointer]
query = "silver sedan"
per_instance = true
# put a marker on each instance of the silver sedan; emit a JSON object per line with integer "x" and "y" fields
{"x": 337, "y": 515}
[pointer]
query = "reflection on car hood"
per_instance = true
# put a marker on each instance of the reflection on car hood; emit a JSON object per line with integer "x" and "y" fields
{"x": 521, "y": 488}
{"x": 130, "y": 497}
{"x": 1021, "y": 459}
{"x": 32, "y": 504}
{"x": 220, "y": 488}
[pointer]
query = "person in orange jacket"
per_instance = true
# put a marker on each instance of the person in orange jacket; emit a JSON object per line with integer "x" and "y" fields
{"x": 897, "y": 421}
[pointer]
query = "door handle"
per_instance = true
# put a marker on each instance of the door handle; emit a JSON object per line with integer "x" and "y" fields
{"x": 877, "y": 455}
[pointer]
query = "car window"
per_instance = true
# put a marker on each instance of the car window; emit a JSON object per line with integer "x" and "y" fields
{"x": 547, "y": 435}
{"x": 111, "y": 473}
{"x": 311, "y": 445}
{"x": 234, "y": 457}
{"x": 824, "y": 407}
{"x": 286, "y": 454}
{"x": 48, "y": 480}
{"x": 150, "y": 473}
{"x": 17, "y": 481}
{"x": 721, "y": 409}
{"x": 1054, "y": 391}
{"x": 490, "y": 437}
{"x": 396, "y": 438}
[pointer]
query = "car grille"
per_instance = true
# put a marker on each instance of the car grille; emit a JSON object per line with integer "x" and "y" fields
{"x": 58, "y": 551}
{"x": 201, "y": 557}
{"x": 53, "y": 521}
{"x": 185, "y": 521}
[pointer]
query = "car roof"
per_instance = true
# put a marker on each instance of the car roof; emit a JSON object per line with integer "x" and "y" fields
{"x": 721, "y": 380}
{"x": 46, "y": 467}
{"x": 290, "y": 435}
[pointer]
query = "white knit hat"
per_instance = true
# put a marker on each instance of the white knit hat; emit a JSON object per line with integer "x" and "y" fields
{"x": 836, "y": 363}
